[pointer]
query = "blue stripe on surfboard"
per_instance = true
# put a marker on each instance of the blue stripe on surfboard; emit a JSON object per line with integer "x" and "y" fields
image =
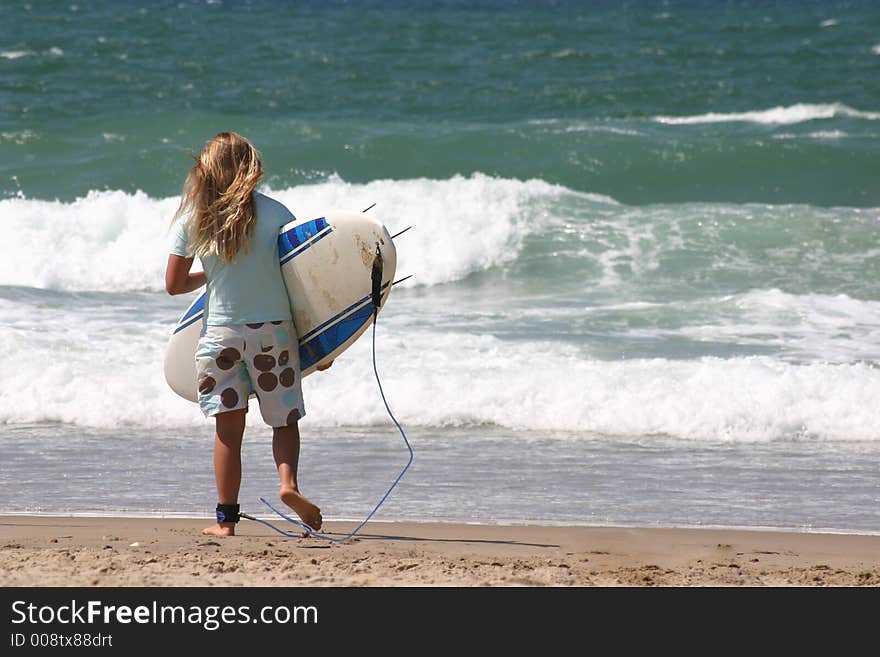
{"x": 339, "y": 315}
{"x": 189, "y": 323}
{"x": 312, "y": 351}
{"x": 193, "y": 314}
{"x": 290, "y": 256}
{"x": 292, "y": 242}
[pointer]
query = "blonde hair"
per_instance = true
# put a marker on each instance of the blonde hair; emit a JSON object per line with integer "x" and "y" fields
{"x": 218, "y": 197}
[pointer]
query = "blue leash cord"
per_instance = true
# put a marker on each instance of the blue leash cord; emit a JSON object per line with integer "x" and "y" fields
{"x": 308, "y": 529}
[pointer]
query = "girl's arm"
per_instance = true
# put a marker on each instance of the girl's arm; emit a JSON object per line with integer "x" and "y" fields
{"x": 178, "y": 279}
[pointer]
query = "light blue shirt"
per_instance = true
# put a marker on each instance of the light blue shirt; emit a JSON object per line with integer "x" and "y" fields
{"x": 251, "y": 289}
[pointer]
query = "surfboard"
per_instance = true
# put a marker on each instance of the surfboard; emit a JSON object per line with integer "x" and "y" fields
{"x": 328, "y": 269}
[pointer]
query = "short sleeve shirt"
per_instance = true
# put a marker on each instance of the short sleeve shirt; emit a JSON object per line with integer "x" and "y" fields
{"x": 251, "y": 289}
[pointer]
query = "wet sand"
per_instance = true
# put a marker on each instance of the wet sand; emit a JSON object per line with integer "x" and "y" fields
{"x": 158, "y": 552}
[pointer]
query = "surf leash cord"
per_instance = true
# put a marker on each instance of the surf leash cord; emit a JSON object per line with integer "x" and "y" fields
{"x": 376, "y": 283}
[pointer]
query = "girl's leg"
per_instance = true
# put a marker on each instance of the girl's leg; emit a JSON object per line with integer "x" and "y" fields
{"x": 227, "y": 465}
{"x": 285, "y": 448}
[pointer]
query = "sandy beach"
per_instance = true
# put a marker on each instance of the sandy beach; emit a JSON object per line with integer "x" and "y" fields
{"x": 40, "y": 551}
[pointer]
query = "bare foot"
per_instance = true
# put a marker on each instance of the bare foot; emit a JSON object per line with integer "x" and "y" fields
{"x": 220, "y": 529}
{"x": 308, "y": 512}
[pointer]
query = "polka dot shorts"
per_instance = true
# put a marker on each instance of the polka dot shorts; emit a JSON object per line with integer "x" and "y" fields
{"x": 233, "y": 361}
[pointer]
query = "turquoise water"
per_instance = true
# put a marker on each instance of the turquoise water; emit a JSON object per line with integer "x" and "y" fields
{"x": 578, "y": 94}
{"x": 644, "y": 251}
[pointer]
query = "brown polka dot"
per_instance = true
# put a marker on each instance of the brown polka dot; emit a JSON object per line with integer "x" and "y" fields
{"x": 255, "y": 326}
{"x": 228, "y": 358}
{"x": 267, "y": 381}
{"x": 269, "y": 348}
{"x": 206, "y": 385}
{"x": 287, "y": 377}
{"x": 277, "y": 323}
{"x": 283, "y": 357}
{"x": 264, "y": 363}
{"x": 292, "y": 417}
{"x": 229, "y": 397}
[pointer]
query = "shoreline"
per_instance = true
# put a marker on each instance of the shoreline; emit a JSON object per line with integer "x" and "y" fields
{"x": 343, "y": 521}
{"x": 123, "y": 551}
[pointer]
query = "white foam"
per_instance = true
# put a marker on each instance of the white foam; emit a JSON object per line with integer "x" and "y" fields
{"x": 93, "y": 364}
{"x": 558, "y": 126}
{"x": 812, "y": 327}
{"x": 114, "y": 241}
{"x": 876, "y": 49}
{"x": 18, "y": 136}
{"x": 471, "y": 380}
{"x": 819, "y": 134}
{"x": 437, "y": 379}
{"x": 587, "y": 127}
{"x": 83, "y": 365}
{"x": 15, "y": 54}
{"x": 107, "y": 241}
{"x": 798, "y": 113}
{"x": 461, "y": 225}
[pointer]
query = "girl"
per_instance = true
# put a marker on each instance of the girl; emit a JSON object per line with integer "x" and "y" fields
{"x": 248, "y": 340}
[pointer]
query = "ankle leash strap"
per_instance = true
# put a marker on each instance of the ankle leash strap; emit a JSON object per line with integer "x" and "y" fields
{"x": 228, "y": 513}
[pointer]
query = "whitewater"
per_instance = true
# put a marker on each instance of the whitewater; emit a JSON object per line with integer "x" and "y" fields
{"x": 531, "y": 307}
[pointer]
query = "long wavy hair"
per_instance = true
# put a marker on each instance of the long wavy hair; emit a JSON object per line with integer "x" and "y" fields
{"x": 217, "y": 198}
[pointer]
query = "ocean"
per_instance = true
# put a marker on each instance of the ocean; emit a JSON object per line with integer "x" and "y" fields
{"x": 644, "y": 254}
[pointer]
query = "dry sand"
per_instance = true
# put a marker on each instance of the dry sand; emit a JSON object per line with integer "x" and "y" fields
{"x": 157, "y": 552}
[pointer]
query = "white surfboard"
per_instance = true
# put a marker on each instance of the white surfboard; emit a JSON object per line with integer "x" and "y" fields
{"x": 327, "y": 265}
